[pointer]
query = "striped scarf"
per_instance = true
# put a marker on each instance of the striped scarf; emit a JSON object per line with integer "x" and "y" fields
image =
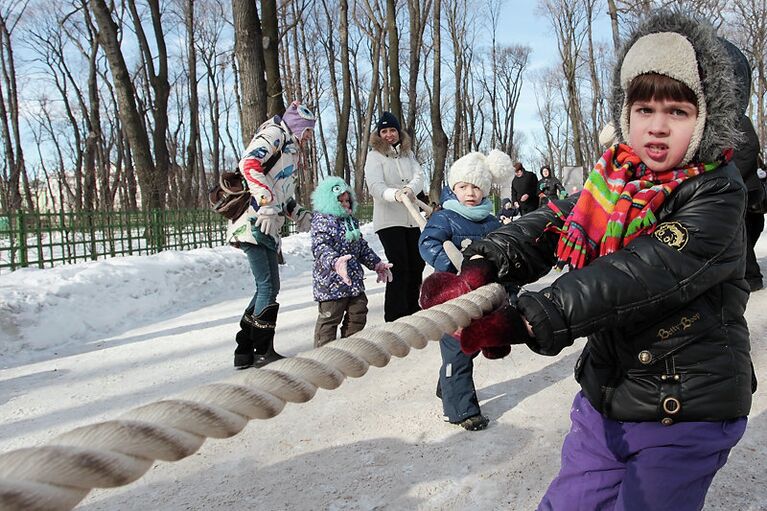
{"x": 618, "y": 203}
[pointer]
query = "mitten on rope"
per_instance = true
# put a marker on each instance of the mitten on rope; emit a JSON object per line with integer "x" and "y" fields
{"x": 442, "y": 286}
{"x": 495, "y": 332}
{"x": 477, "y": 272}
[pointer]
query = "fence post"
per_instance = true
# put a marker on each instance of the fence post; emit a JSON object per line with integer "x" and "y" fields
{"x": 158, "y": 230}
{"x": 22, "y": 238}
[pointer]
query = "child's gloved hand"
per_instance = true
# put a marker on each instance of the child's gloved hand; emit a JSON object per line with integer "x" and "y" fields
{"x": 440, "y": 287}
{"x": 384, "y": 272}
{"x": 495, "y": 332}
{"x": 340, "y": 267}
{"x": 477, "y": 272}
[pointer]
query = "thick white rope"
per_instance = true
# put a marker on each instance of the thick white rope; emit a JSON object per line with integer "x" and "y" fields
{"x": 57, "y": 476}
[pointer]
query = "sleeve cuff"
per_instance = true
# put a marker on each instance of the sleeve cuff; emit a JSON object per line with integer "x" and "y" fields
{"x": 551, "y": 332}
{"x": 389, "y": 194}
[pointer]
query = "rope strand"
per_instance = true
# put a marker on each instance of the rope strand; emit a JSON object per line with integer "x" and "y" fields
{"x": 59, "y": 475}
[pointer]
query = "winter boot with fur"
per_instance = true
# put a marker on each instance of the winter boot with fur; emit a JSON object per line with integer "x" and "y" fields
{"x": 263, "y": 336}
{"x": 243, "y": 354}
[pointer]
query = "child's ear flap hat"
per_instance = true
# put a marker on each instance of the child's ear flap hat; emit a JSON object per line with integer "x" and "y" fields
{"x": 677, "y": 45}
{"x": 480, "y": 170}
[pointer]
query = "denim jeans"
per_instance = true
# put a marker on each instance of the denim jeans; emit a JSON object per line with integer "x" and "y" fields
{"x": 266, "y": 272}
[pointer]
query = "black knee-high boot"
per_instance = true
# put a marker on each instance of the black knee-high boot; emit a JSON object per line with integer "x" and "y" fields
{"x": 263, "y": 336}
{"x": 243, "y": 354}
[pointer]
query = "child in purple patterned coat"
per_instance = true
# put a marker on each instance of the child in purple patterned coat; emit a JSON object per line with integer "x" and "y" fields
{"x": 339, "y": 254}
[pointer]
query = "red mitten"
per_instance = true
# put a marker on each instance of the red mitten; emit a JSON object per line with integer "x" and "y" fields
{"x": 477, "y": 272}
{"x": 440, "y": 287}
{"x": 493, "y": 352}
{"x": 500, "y": 328}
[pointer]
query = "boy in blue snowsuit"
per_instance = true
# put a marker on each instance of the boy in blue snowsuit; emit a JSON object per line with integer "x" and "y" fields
{"x": 655, "y": 245}
{"x": 466, "y": 216}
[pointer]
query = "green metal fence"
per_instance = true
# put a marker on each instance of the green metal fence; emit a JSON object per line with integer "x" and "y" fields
{"x": 43, "y": 240}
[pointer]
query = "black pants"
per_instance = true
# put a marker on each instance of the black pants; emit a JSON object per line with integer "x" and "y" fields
{"x": 754, "y": 228}
{"x": 401, "y": 247}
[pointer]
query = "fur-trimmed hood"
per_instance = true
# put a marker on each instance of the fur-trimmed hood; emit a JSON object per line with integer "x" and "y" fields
{"x": 383, "y": 147}
{"x": 715, "y": 73}
{"x": 325, "y": 197}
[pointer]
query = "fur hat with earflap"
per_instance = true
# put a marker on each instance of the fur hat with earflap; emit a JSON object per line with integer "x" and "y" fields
{"x": 325, "y": 197}
{"x": 481, "y": 171}
{"x": 677, "y": 45}
{"x": 325, "y": 202}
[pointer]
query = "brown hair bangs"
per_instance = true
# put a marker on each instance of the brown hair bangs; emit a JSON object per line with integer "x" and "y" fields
{"x": 659, "y": 87}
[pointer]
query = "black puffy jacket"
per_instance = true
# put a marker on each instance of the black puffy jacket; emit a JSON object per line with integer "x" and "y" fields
{"x": 667, "y": 339}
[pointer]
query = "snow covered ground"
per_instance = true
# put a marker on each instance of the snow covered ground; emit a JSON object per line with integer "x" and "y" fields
{"x": 84, "y": 343}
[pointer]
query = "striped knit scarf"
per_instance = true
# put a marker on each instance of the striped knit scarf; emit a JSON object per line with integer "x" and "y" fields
{"x": 618, "y": 203}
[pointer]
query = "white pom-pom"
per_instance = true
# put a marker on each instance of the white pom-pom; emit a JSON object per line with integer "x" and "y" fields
{"x": 500, "y": 165}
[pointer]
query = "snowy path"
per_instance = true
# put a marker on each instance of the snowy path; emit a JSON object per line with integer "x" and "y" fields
{"x": 377, "y": 442}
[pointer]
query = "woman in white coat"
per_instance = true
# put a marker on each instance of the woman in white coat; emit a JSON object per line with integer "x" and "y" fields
{"x": 391, "y": 173}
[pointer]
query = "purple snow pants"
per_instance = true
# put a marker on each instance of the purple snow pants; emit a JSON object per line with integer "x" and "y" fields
{"x": 622, "y": 466}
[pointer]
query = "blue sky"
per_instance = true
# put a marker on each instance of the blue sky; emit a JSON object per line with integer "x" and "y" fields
{"x": 519, "y": 24}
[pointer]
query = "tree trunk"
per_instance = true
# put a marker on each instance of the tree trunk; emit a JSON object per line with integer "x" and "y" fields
{"x": 612, "y": 10}
{"x": 11, "y": 129}
{"x": 126, "y": 100}
{"x": 346, "y": 100}
{"x": 249, "y": 50}
{"x": 271, "y": 37}
{"x": 417, "y": 25}
{"x": 438, "y": 137}
{"x": 395, "y": 83}
{"x": 194, "y": 113}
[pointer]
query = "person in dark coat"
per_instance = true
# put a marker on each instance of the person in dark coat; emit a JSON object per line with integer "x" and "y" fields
{"x": 746, "y": 159}
{"x": 549, "y": 187}
{"x": 340, "y": 252}
{"x": 466, "y": 216}
{"x": 655, "y": 245}
{"x": 524, "y": 190}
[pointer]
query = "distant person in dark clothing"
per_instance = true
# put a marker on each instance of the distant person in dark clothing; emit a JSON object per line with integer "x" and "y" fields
{"x": 746, "y": 158}
{"x": 549, "y": 187}
{"x": 524, "y": 190}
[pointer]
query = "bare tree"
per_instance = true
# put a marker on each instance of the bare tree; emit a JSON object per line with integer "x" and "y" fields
{"x": 152, "y": 184}
{"x": 271, "y": 38}
{"x": 567, "y": 18}
{"x": 395, "y": 82}
{"x": 10, "y": 14}
{"x": 419, "y": 12}
{"x": 249, "y": 50}
{"x": 438, "y": 137}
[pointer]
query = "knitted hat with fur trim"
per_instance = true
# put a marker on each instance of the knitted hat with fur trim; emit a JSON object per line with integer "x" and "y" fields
{"x": 682, "y": 47}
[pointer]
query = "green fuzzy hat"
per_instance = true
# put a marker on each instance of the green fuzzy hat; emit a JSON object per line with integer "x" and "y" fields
{"x": 325, "y": 200}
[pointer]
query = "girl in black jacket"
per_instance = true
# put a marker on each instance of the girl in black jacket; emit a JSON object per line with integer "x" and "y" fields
{"x": 655, "y": 248}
